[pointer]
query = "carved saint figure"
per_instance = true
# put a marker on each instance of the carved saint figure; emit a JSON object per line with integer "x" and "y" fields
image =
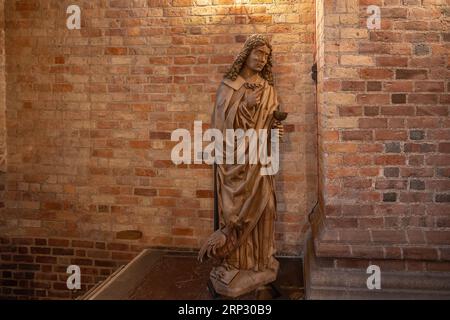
{"x": 244, "y": 243}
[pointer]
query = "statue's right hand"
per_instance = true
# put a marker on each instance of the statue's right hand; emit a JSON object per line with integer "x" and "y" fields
{"x": 254, "y": 97}
{"x": 251, "y": 100}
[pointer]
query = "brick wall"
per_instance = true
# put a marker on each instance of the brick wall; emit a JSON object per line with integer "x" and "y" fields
{"x": 36, "y": 268}
{"x": 90, "y": 113}
{"x": 2, "y": 89}
{"x": 384, "y": 132}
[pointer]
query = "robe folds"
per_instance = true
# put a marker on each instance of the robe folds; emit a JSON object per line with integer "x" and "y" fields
{"x": 246, "y": 198}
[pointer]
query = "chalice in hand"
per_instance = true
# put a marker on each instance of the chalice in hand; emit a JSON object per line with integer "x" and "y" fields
{"x": 279, "y": 116}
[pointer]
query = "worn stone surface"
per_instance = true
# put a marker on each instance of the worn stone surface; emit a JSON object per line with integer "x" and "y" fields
{"x": 182, "y": 277}
{"x": 343, "y": 278}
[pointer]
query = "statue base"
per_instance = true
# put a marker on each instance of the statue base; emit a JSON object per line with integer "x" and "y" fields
{"x": 244, "y": 281}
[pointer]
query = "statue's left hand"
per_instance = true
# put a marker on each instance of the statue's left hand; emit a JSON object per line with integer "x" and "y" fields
{"x": 214, "y": 242}
{"x": 278, "y": 125}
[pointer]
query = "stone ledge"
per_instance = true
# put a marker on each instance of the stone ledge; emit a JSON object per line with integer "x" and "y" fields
{"x": 325, "y": 281}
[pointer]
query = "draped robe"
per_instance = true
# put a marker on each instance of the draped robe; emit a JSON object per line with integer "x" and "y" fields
{"x": 246, "y": 199}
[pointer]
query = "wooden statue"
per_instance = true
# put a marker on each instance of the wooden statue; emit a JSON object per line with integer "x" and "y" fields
{"x": 243, "y": 247}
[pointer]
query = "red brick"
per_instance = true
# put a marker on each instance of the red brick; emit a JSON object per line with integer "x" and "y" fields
{"x": 364, "y": 135}
{"x": 390, "y": 160}
{"x": 184, "y": 60}
{"x": 416, "y": 172}
{"x": 444, "y": 147}
{"x": 398, "y": 86}
{"x": 205, "y": 194}
{"x": 369, "y": 172}
{"x": 333, "y": 250}
{"x": 63, "y": 252}
{"x": 438, "y": 266}
{"x": 52, "y": 206}
{"x": 416, "y": 236}
{"x": 445, "y": 253}
{"x": 444, "y": 99}
{"x": 394, "y": 12}
{"x": 123, "y": 256}
{"x": 145, "y": 172}
{"x": 331, "y": 86}
{"x": 341, "y": 222}
{"x": 355, "y": 159}
{"x": 385, "y": 36}
{"x": 116, "y": 51}
{"x": 432, "y": 111}
{"x": 422, "y": 98}
{"x": 391, "y": 184}
{"x": 140, "y": 144}
{"x": 419, "y": 253}
{"x": 374, "y": 99}
{"x": 440, "y": 134}
{"x": 438, "y": 237}
{"x": 40, "y": 250}
{"x": 357, "y": 210}
{"x": 357, "y": 183}
{"x": 62, "y": 88}
{"x": 371, "y": 222}
{"x": 164, "y": 202}
{"x": 46, "y": 259}
{"x": 178, "y": 231}
{"x": 374, "y": 47}
{"x": 118, "y": 246}
{"x": 23, "y": 258}
{"x": 371, "y": 111}
{"x": 419, "y": 147}
{"x": 429, "y": 86}
{"x": 105, "y": 263}
{"x": 374, "y": 86}
{"x": 390, "y": 135}
{"x": 163, "y": 164}
{"x": 354, "y": 236}
{"x": 397, "y": 111}
{"x": 145, "y": 192}
{"x": 22, "y": 241}
{"x": 372, "y": 123}
{"x": 367, "y": 252}
{"x": 438, "y": 160}
{"x": 351, "y": 264}
{"x": 81, "y": 262}
{"x": 82, "y": 244}
{"x": 102, "y": 153}
{"x": 392, "y": 61}
{"x": 98, "y": 254}
{"x": 373, "y": 74}
{"x": 353, "y": 86}
{"x": 412, "y": 74}
{"x": 423, "y": 123}
{"x": 58, "y": 242}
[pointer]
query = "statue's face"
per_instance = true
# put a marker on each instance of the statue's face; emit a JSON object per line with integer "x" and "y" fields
{"x": 258, "y": 58}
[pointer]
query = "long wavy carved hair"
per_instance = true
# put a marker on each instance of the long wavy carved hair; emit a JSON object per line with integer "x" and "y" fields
{"x": 252, "y": 42}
